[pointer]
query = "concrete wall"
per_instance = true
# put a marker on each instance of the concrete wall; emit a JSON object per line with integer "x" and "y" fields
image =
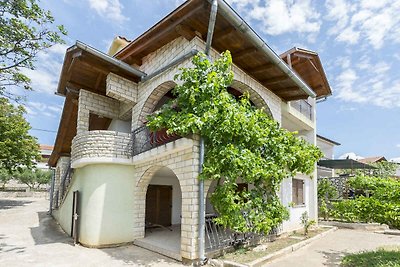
{"x": 106, "y": 204}
{"x": 295, "y": 212}
{"x": 120, "y": 126}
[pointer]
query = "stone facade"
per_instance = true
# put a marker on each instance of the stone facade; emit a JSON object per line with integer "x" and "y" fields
{"x": 61, "y": 168}
{"x": 185, "y": 165}
{"x": 121, "y": 89}
{"x": 100, "y": 144}
{"x": 97, "y": 104}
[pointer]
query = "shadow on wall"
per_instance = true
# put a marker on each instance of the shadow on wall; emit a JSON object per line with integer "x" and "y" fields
{"x": 49, "y": 231}
{"x": 6, "y": 204}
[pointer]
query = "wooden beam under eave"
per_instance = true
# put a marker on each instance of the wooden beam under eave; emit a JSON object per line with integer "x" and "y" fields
{"x": 225, "y": 33}
{"x": 185, "y": 31}
{"x": 136, "y": 48}
{"x": 243, "y": 53}
{"x": 295, "y": 97}
{"x": 274, "y": 80}
{"x": 264, "y": 67}
{"x": 286, "y": 90}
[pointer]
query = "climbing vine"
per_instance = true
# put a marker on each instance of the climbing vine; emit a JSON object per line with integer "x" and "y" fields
{"x": 241, "y": 141}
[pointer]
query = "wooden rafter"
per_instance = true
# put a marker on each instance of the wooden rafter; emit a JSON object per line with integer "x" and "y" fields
{"x": 160, "y": 34}
{"x": 185, "y": 31}
{"x": 264, "y": 67}
{"x": 275, "y": 80}
{"x": 243, "y": 53}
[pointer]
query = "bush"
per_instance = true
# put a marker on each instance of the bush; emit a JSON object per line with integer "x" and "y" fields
{"x": 33, "y": 178}
{"x": 382, "y": 204}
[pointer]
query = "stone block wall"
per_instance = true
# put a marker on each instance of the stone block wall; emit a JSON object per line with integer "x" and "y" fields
{"x": 121, "y": 89}
{"x": 97, "y": 104}
{"x": 101, "y": 144}
{"x": 151, "y": 91}
{"x": 61, "y": 168}
{"x": 184, "y": 164}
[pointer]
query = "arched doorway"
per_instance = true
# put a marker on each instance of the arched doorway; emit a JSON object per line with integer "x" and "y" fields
{"x": 162, "y": 199}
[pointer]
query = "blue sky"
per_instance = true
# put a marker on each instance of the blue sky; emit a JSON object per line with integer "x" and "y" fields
{"x": 358, "y": 42}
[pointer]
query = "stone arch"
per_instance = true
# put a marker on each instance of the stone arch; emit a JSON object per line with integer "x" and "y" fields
{"x": 152, "y": 100}
{"x": 255, "y": 97}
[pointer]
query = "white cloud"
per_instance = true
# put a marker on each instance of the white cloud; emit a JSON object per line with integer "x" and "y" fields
{"x": 351, "y": 155}
{"x": 110, "y": 9}
{"x": 367, "y": 20}
{"x": 281, "y": 16}
{"x": 369, "y": 83}
{"x": 44, "y": 78}
{"x": 34, "y": 108}
{"x": 398, "y": 145}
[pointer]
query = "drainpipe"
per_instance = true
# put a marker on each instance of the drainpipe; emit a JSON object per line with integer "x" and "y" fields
{"x": 53, "y": 176}
{"x": 202, "y": 213}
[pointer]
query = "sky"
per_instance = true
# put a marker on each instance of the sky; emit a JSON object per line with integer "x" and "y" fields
{"x": 358, "y": 43}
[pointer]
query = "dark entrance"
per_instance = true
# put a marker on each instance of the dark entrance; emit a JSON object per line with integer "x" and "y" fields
{"x": 158, "y": 205}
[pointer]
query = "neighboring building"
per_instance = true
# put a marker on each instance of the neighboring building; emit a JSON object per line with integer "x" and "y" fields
{"x": 130, "y": 179}
{"x": 327, "y": 147}
{"x": 370, "y": 160}
{"x": 45, "y": 152}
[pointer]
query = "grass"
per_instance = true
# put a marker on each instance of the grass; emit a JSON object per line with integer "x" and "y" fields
{"x": 246, "y": 255}
{"x": 383, "y": 257}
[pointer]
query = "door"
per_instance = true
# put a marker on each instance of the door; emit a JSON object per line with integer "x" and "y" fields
{"x": 159, "y": 205}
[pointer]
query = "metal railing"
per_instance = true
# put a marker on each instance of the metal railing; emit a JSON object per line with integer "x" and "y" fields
{"x": 143, "y": 139}
{"x": 303, "y": 107}
{"x": 218, "y": 237}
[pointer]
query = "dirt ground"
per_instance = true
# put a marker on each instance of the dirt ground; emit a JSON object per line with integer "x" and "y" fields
{"x": 30, "y": 237}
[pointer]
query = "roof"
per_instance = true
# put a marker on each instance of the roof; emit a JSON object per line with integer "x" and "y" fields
{"x": 87, "y": 67}
{"x": 45, "y": 147}
{"x": 373, "y": 159}
{"x": 231, "y": 33}
{"x": 308, "y": 65}
{"x": 328, "y": 140}
{"x": 344, "y": 164}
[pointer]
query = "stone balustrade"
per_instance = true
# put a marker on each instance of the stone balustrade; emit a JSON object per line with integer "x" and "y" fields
{"x": 102, "y": 146}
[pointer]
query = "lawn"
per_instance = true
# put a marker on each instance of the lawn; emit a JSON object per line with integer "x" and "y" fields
{"x": 383, "y": 257}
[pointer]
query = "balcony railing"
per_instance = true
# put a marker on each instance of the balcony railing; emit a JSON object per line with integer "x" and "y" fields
{"x": 143, "y": 139}
{"x": 218, "y": 237}
{"x": 303, "y": 107}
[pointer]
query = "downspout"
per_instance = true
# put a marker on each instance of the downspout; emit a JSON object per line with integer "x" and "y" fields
{"x": 242, "y": 26}
{"x": 202, "y": 211}
{"x": 53, "y": 176}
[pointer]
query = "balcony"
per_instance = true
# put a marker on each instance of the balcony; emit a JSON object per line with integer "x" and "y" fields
{"x": 100, "y": 146}
{"x": 143, "y": 139}
{"x": 303, "y": 107}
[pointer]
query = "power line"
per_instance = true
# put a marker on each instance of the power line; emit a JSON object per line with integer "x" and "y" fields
{"x": 43, "y": 130}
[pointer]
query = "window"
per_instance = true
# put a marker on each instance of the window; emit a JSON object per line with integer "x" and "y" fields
{"x": 298, "y": 192}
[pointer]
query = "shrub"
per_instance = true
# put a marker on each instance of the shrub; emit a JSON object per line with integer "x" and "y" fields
{"x": 381, "y": 206}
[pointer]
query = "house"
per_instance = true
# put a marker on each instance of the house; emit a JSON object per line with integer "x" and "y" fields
{"x": 127, "y": 184}
{"x": 45, "y": 152}
{"x": 372, "y": 160}
{"x": 327, "y": 147}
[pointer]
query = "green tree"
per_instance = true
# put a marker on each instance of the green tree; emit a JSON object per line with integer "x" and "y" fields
{"x": 241, "y": 142}
{"x": 5, "y": 176}
{"x": 25, "y": 30}
{"x": 17, "y": 147}
{"x": 33, "y": 178}
{"x": 384, "y": 169}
